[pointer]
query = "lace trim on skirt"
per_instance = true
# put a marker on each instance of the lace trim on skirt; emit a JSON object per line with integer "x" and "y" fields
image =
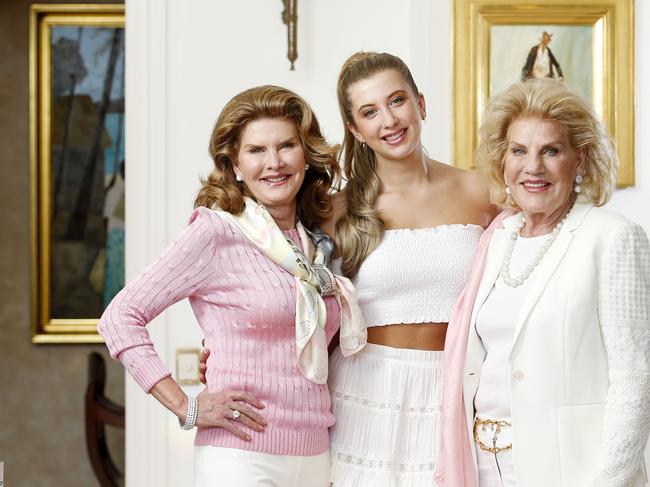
{"x": 387, "y": 404}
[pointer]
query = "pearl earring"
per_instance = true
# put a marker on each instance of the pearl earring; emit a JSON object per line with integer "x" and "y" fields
{"x": 238, "y": 178}
{"x": 507, "y": 190}
{"x": 306, "y": 167}
{"x": 578, "y": 187}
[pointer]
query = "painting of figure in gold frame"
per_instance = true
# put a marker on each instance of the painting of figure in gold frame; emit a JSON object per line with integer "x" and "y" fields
{"x": 589, "y": 45}
{"x": 77, "y": 167}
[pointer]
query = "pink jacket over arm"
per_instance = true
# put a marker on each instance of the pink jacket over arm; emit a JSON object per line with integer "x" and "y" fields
{"x": 455, "y": 465}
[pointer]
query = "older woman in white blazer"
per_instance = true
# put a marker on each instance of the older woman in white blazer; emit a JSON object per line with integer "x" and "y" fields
{"x": 547, "y": 379}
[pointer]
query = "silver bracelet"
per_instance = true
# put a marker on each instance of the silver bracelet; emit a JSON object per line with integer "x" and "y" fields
{"x": 192, "y": 414}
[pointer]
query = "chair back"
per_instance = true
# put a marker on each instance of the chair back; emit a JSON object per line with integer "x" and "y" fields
{"x": 101, "y": 411}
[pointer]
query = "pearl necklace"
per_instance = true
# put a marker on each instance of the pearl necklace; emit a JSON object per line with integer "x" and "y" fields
{"x": 505, "y": 268}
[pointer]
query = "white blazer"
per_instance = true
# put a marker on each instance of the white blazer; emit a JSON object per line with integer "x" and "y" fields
{"x": 558, "y": 361}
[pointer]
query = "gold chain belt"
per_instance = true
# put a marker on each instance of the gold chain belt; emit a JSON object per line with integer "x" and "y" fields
{"x": 478, "y": 422}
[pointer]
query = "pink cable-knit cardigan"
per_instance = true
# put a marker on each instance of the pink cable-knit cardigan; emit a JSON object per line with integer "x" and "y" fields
{"x": 245, "y": 304}
{"x": 455, "y": 464}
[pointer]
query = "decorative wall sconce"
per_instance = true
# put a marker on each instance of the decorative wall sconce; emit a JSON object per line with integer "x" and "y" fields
{"x": 290, "y": 18}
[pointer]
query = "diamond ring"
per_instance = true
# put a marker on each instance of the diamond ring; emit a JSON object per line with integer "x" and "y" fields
{"x": 235, "y": 414}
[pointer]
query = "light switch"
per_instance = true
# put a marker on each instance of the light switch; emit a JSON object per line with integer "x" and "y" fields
{"x": 187, "y": 366}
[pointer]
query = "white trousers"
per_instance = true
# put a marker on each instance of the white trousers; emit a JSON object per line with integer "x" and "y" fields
{"x": 232, "y": 467}
{"x": 495, "y": 470}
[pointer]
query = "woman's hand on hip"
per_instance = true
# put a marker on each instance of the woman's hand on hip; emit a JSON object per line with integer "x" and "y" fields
{"x": 230, "y": 410}
{"x": 203, "y": 363}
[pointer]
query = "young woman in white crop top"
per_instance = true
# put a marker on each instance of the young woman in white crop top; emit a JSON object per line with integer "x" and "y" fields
{"x": 407, "y": 230}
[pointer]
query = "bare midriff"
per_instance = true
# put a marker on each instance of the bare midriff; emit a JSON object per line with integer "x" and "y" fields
{"x": 416, "y": 336}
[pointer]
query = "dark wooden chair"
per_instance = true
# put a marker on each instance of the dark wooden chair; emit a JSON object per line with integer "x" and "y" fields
{"x": 101, "y": 411}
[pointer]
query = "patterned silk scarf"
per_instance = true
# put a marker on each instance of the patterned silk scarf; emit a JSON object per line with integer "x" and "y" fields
{"x": 313, "y": 281}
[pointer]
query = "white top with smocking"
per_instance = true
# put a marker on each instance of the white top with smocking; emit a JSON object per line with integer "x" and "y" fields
{"x": 416, "y": 275}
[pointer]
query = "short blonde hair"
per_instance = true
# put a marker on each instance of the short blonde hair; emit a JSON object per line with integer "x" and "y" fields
{"x": 221, "y": 187}
{"x": 548, "y": 99}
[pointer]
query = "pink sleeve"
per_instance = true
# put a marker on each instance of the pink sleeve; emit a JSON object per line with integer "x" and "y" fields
{"x": 183, "y": 269}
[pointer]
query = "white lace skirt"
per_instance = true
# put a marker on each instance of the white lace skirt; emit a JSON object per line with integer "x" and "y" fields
{"x": 387, "y": 404}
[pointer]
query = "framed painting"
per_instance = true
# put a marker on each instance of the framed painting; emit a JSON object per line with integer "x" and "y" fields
{"x": 77, "y": 167}
{"x": 588, "y": 44}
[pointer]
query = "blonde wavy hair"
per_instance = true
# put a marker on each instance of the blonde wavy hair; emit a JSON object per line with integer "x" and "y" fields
{"x": 548, "y": 99}
{"x": 359, "y": 229}
{"x": 223, "y": 190}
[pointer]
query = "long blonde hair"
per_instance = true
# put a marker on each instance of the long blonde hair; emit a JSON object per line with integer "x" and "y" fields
{"x": 360, "y": 229}
{"x": 221, "y": 187}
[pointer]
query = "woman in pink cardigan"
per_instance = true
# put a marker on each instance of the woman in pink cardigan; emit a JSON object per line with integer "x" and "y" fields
{"x": 253, "y": 265}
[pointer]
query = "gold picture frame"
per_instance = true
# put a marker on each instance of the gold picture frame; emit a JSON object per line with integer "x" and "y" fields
{"x": 69, "y": 106}
{"x": 599, "y": 48}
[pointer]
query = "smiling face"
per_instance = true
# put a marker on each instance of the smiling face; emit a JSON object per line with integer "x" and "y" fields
{"x": 387, "y": 114}
{"x": 540, "y": 167}
{"x": 271, "y": 162}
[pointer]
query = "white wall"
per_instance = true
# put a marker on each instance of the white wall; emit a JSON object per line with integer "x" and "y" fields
{"x": 185, "y": 59}
{"x": 216, "y": 49}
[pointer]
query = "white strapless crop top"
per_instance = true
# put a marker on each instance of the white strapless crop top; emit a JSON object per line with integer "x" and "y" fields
{"x": 416, "y": 275}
